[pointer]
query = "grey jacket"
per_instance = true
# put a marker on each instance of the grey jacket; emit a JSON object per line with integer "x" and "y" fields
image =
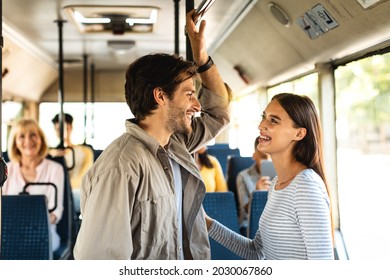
{"x": 128, "y": 204}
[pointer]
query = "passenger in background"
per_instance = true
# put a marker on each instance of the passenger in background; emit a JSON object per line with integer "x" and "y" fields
{"x": 296, "y": 222}
{"x": 211, "y": 171}
{"x": 79, "y": 158}
{"x": 27, "y": 150}
{"x": 251, "y": 179}
{"x": 142, "y": 199}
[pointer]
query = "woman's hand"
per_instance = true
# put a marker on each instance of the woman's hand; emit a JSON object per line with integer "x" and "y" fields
{"x": 209, "y": 221}
{"x": 263, "y": 183}
{"x": 196, "y": 36}
{"x": 52, "y": 218}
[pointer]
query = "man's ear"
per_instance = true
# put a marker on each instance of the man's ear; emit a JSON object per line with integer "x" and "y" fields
{"x": 301, "y": 133}
{"x": 159, "y": 96}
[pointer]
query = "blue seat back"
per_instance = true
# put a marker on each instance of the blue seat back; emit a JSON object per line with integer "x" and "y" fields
{"x": 25, "y": 232}
{"x": 222, "y": 152}
{"x": 234, "y": 166}
{"x": 5, "y": 156}
{"x": 256, "y": 207}
{"x": 96, "y": 154}
{"x": 222, "y": 207}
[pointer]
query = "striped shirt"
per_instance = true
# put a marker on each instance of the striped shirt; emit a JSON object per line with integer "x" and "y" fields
{"x": 295, "y": 224}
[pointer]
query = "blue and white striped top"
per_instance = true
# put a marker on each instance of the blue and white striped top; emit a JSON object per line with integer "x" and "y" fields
{"x": 295, "y": 224}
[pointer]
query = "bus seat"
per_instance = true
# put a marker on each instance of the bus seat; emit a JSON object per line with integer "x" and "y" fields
{"x": 96, "y": 154}
{"x": 5, "y": 156}
{"x": 256, "y": 206}
{"x": 222, "y": 152}
{"x": 66, "y": 226}
{"x": 236, "y": 164}
{"x": 25, "y": 230}
{"x": 221, "y": 206}
{"x": 224, "y": 146}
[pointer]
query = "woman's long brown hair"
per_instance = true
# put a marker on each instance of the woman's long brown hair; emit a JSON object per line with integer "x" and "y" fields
{"x": 308, "y": 151}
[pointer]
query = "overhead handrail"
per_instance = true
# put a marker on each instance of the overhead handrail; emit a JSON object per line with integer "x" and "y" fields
{"x": 200, "y": 11}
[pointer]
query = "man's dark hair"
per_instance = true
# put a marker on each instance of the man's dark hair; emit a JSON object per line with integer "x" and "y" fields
{"x": 68, "y": 119}
{"x": 154, "y": 71}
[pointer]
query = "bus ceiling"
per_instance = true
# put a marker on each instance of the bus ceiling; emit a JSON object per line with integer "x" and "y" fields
{"x": 255, "y": 43}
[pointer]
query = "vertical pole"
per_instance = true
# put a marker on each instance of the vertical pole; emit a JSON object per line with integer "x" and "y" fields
{"x": 60, "y": 23}
{"x": 85, "y": 93}
{"x": 3, "y": 170}
{"x": 93, "y": 98}
{"x": 1, "y": 80}
{"x": 189, "y": 6}
{"x": 1, "y": 90}
{"x": 177, "y": 7}
{"x": 327, "y": 95}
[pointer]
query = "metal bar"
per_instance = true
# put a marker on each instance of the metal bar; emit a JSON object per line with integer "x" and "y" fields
{"x": 60, "y": 23}
{"x": 85, "y": 93}
{"x": 189, "y": 6}
{"x": 4, "y": 169}
{"x": 177, "y": 9}
{"x": 92, "y": 97}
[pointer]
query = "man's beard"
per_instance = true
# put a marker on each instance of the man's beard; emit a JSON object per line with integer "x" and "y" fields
{"x": 177, "y": 122}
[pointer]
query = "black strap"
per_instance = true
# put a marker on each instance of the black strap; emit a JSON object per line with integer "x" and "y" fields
{"x": 206, "y": 66}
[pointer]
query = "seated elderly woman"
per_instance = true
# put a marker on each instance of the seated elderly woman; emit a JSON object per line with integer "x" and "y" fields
{"x": 27, "y": 150}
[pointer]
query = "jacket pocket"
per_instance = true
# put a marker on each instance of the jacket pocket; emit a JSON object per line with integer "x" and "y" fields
{"x": 157, "y": 216}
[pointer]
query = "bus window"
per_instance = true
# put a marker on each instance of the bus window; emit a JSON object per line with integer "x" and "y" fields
{"x": 107, "y": 123}
{"x": 246, "y": 112}
{"x": 363, "y": 155}
{"x": 10, "y": 111}
{"x": 307, "y": 85}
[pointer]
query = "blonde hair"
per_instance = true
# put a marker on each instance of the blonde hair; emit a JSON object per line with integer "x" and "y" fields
{"x": 21, "y": 126}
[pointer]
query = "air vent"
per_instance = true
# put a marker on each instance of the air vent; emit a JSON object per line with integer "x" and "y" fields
{"x": 120, "y": 47}
{"x": 117, "y": 20}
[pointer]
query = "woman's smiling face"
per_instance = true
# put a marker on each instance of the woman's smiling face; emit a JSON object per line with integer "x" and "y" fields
{"x": 277, "y": 130}
{"x": 28, "y": 142}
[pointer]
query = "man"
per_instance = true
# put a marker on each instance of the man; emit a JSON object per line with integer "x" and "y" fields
{"x": 142, "y": 199}
{"x": 79, "y": 158}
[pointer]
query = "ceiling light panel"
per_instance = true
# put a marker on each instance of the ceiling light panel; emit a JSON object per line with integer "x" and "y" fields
{"x": 113, "y": 19}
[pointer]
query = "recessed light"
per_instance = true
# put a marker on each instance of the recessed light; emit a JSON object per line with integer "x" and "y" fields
{"x": 279, "y": 14}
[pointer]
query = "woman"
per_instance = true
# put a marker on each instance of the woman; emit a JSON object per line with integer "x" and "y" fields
{"x": 296, "y": 222}
{"x": 211, "y": 171}
{"x": 27, "y": 150}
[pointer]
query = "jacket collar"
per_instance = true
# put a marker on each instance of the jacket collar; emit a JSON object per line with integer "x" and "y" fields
{"x": 175, "y": 150}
